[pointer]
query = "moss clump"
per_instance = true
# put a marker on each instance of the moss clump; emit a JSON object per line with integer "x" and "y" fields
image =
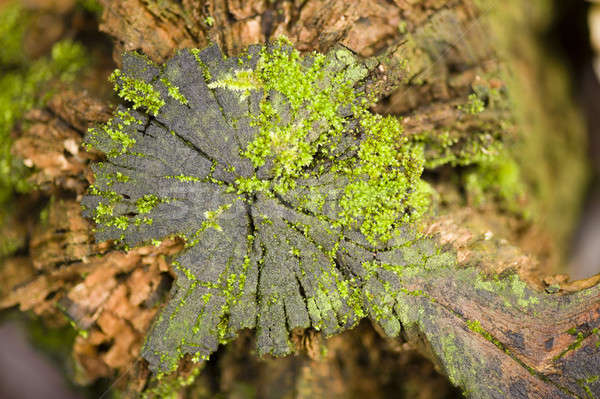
{"x": 384, "y": 188}
{"x": 13, "y": 24}
{"x": 474, "y": 106}
{"x": 147, "y": 203}
{"x": 91, "y": 6}
{"x": 286, "y": 137}
{"x": 242, "y": 81}
{"x": 169, "y": 387}
{"x": 141, "y": 94}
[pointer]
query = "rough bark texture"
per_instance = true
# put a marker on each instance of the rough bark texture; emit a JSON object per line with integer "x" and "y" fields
{"x": 495, "y": 322}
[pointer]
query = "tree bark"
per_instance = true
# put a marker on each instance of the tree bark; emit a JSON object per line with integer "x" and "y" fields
{"x": 498, "y": 323}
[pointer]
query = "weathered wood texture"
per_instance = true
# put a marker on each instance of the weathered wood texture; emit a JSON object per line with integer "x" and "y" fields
{"x": 480, "y": 324}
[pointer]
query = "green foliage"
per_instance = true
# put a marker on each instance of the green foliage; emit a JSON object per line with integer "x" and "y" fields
{"x": 174, "y": 92}
{"x": 210, "y": 21}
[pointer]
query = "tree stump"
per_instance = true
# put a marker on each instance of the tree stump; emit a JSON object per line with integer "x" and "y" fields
{"x": 470, "y": 285}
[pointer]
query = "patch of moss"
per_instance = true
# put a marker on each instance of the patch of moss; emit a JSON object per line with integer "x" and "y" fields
{"x": 169, "y": 386}
{"x": 384, "y": 187}
{"x": 13, "y": 24}
{"x": 500, "y": 177}
{"x": 174, "y": 91}
{"x": 141, "y": 94}
{"x": 474, "y": 106}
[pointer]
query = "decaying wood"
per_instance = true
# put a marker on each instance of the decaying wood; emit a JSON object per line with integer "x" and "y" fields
{"x": 490, "y": 342}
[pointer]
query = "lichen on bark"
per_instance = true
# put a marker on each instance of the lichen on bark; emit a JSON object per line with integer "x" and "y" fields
{"x": 294, "y": 200}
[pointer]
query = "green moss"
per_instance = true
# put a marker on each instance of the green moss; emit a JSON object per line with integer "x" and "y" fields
{"x": 92, "y": 6}
{"x": 203, "y": 67}
{"x": 499, "y": 177}
{"x": 210, "y": 21}
{"x": 184, "y": 178}
{"x": 384, "y": 188}
{"x": 282, "y": 71}
{"x": 117, "y": 135}
{"x": 579, "y": 337}
{"x": 475, "y": 325}
{"x": 584, "y": 384}
{"x": 453, "y": 149}
{"x": 67, "y": 59}
{"x": 13, "y": 24}
{"x": 174, "y": 91}
{"x": 141, "y": 94}
{"x": 169, "y": 386}
{"x": 242, "y": 81}
{"x": 251, "y": 185}
{"x": 146, "y": 203}
{"x": 474, "y": 106}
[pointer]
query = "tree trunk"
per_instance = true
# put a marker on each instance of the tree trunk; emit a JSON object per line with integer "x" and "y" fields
{"x": 504, "y": 149}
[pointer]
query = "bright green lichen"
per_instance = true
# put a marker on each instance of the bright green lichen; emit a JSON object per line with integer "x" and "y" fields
{"x": 514, "y": 290}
